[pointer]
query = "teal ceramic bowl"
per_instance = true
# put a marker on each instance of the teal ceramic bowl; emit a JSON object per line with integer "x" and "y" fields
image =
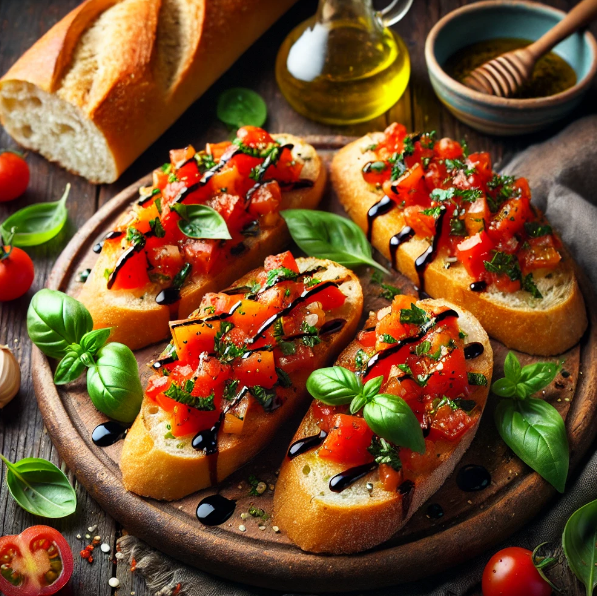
{"x": 498, "y": 19}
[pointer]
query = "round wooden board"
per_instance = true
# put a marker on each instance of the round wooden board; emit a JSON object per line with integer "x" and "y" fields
{"x": 472, "y": 522}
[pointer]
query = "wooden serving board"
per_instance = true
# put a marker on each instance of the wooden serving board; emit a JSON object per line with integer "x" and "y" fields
{"x": 472, "y": 521}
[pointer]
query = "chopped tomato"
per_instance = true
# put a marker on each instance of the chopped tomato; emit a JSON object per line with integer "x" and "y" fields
{"x": 473, "y": 251}
{"x": 192, "y": 338}
{"x": 189, "y": 173}
{"x": 447, "y": 149}
{"x": 265, "y": 199}
{"x": 160, "y": 178}
{"x": 217, "y": 303}
{"x": 226, "y": 180}
{"x": 189, "y": 421}
{"x": 510, "y": 219}
{"x": 284, "y": 259}
{"x": 393, "y": 142}
{"x": 476, "y": 216}
{"x": 390, "y": 478}
{"x": 157, "y": 384}
{"x": 253, "y": 136}
{"x": 448, "y": 376}
{"x": 324, "y": 413}
{"x": 132, "y": 273}
{"x": 482, "y": 164}
{"x": 415, "y": 464}
{"x": 410, "y": 188}
{"x": 449, "y": 424}
{"x": 165, "y": 259}
{"x": 179, "y": 156}
{"x": 258, "y": 369}
{"x": 203, "y": 254}
{"x": 376, "y": 172}
{"x": 330, "y": 298}
{"x": 216, "y": 150}
{"x": 37, "y": 562}
{"x": 297, "y": 360}
{"x": 347, "y": 441}
{"x": 422, "y": 224}
{"x": 436, "y": 175}
{"x": 367, "y": 338}
{"x": 232, "y": 209}
{"x": 540, "y": 254}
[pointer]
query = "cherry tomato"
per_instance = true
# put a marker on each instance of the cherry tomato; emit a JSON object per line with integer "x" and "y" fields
{"x": 16, "y": 273}
{"x": 510, "y": 572}
{"x": 37, "y": 562}
{"x": 14, "y": 176}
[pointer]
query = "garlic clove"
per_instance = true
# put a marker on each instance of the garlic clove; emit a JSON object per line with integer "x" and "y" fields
{"x": 10, "y": 375}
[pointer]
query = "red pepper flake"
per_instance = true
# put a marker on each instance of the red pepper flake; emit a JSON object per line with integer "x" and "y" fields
{"x": 176, "y": 590}
{"x": 85, "y": 554}
{"x": 133, "y": 564}
{"x": 89, "y": 547}
{"x": 90, "y": 560}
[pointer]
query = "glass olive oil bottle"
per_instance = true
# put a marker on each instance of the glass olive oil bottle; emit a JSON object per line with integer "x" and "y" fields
{"x": 344, "y": 65}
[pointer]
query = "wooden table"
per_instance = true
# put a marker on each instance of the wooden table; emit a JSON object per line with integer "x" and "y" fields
{"x": 22, "y": 433}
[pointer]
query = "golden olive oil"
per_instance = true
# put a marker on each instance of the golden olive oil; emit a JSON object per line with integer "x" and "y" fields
{"x": 342, "y": 72}
{"x": 551, "y": 75}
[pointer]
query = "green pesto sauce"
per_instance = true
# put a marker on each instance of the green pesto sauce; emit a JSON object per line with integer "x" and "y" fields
{"x": 552, "y": 73}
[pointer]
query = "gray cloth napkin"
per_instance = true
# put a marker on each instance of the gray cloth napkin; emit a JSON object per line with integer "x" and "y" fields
{"x": 563, "y": 176}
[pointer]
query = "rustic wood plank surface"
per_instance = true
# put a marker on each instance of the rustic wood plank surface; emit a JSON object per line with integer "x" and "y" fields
{"x": 21, "y": 23}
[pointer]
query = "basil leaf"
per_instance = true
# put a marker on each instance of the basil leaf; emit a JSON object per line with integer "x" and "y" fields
{"x": 38, "y": 223}
{"x": 512, "y": 368}
{"x": 201, "y": 221}
{"x": 40, "y": 488}
{"x": 579, "y": 542}
{"x": 69, "y": 369}
{"x": 113, "y": 383}
{"x": 357, "y": 403}
{"x": 240, "y": 106}
{"x": 329, "y": 236}
{"x": 539, "y": 375}
{"x": 371, "y": 388}
{"x": 504, "y": 388}
{"x": 477, "y": 379}
{"x": 55, "y": 321}
{"x": 334, "y": 385}
{"x": 535, "y": 431}
{"x": 390, "y": 417}
{"x": 94, "y": 340}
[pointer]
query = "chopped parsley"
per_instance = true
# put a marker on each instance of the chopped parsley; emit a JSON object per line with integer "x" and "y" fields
{"x": 504, "y": 188}
{"x": 503, "y": 263}
{"x": 257, "y": 512}
{"x": 226, "y": 351}
{"x": 528, "y": 284}
{"x": 384, "y": 453}
{"x": 360, "y": 360}
{"x": 230, "y": 390}
{"x": 283, "y": 378}
{"x": 280, "y": 274}
{"x": 433, "y": 211}
{"x": 457, "y": 227}
{"x": 264, "y": 396}
{"x": 423, "y": 348}
{"x": 405, "y": 368}
{"x": 136, "y": 238}
{"x": 535, "y": 230}
{"x": 413, "y": 315}
{"x": 183, "y": 396}
{"x": 457, "y": 164}
{"x": 157, "y": 228}
{"x": 468, "y": 195}
{"x": 477, "y": 379}
{"x": 428, "y": 139}
{"x": 388, "y": 339}
{"x": 311, "y": 337}
{"x": 181, "y": 276}
{"x": 205, "y": 161}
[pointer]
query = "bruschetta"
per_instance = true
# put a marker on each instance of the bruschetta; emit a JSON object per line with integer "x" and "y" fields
{"x": 344, "y": 487}
{"x": 462, "y": 232}
{"x": 208, "y": 218}
{"x": 235, "y": 371}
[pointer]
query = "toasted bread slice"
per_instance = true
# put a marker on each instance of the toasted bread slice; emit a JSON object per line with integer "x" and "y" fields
{"x": 135, "y": 317}
{"x": 157, "y": 467}
{"x": 356, "y": 519}
{"x": 546, "y": 326}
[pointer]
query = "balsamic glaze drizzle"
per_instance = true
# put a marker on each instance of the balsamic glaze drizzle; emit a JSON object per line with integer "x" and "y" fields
{"x": 108, "y": 433}
{"x": 404, "y": 235}
{"x": 424, "y": 260}
{"x": 409, "y": 340}
{"x": 406, "y": 490}
{"x": 332, "y": 326}
{"x": 473, "y": 350}
{"x": 168, "y": 296}
{"x": 341, "y": 481}
{"x": 473, "y": 478}
{"x": 385, "y": 205}
{"x": 478, "y": 286}
{"x": 207, "y": 440}
{"x": 300, "y": 183}
{"x": 122, "y": 260}
{"x": 303, "y": 445}
{"x": 159, "y": 363}
{"x": 215, "y": 510}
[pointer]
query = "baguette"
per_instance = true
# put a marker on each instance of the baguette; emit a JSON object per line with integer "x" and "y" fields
{"x": 107, "y": 80}
{"x": 546, "y": 326}
{"x": 360, "y": 517}
{"x": 159, "y": 467}
{"x": 135, "y": 317}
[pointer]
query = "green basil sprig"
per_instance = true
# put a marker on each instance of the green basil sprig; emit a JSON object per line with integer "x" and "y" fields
{"x": 201, "y": 221}
{"x": 62, "y": 328}
{"x": 239, "y": 106}
{"x": 36, "y": 224}
{"x": 40, "y": 488}
{"x": 329, "y": 236}
{"x": 388, "y": 416}
{"x": 531, "y": 427}
{"x": 579, "y": 542}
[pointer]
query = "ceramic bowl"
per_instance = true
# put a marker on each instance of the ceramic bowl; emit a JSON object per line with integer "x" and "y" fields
{"x": 498, "y": 19}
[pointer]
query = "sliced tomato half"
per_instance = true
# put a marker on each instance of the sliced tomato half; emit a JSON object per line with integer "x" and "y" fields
{"x": 37, "y": 562}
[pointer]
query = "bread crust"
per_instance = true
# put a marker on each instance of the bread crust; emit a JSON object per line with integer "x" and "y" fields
{"x": 320, "y": 521}
{"x": 151, "y": 471}
{"x": 534, "y": 330}
{"x": 132, "y": 100}
{"x": 140, "y": 321}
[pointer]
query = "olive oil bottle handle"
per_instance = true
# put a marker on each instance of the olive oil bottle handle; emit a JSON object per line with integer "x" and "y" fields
{"x": 394, "y": 12}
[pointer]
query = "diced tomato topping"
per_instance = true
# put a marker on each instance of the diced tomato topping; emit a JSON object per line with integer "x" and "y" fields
{"x": 203, "y": 254}
{"x": 449, "y": 424}
{"x": 265, "y": 199}
{"x": 324, "y": 413}
{"x": 482, "y": 164}
{"x": 284, "y": 259}
{"x": 422, "y": 224}
{"x": 375, "y": 172}
{"x": 192, "y": 338}
{"x": 510, "y": 219}
{"x": 410, "y": 188}
{"x": 473, "y": 251}
{"x": 415, "y": 464}
{"x": 258, "y": 369}
{"x": 367, "y": 338}
{"x": 297, "y": 360}
{"x": 157, "y": 384}
{"x": 390, "y": 478}
{"x": 540, "y": 254}
{"x": 329, "y": 298}
{"x": 476, "y": 216}
{"x": 133, "y": 273}
{"x": 216, "y": 150}
{"x": 253, "y": 136}
{"x": 447, "y": 149}
{"x": 165, "y": 259}
{"x": 347, "y": 441}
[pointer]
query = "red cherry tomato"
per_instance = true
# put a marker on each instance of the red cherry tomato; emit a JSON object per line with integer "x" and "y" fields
{"x": 14, "y": 176}
{"x": 16, "y": 273}
{"x": 510, "y": 572}
{"x": 37, "y": 562}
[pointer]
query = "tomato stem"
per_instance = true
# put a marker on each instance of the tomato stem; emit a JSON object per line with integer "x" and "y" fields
{"x": 542, "y": 563}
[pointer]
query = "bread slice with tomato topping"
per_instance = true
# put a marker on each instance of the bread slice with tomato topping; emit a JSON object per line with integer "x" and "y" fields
{"x": 343, "y": 488}
{"x": 155, "y": 265}
{"x": 461, "y": 232}
{"x": 235, "y": 371}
